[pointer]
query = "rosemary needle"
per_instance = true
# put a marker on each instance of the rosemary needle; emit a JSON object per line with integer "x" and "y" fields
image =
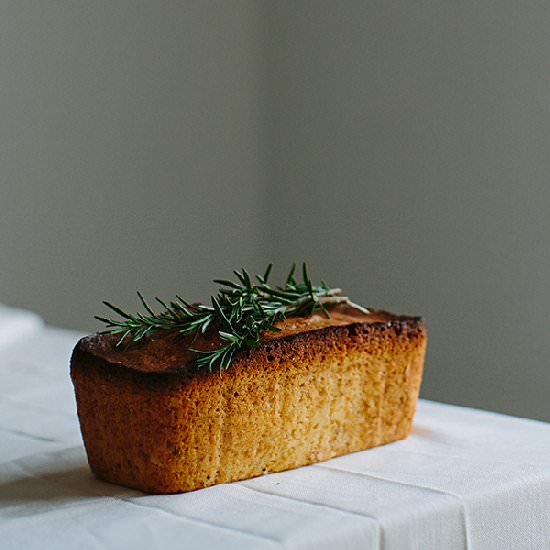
{"x": 239, "y": 313}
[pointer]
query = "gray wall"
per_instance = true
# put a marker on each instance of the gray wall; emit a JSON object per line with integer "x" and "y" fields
{"x": 411, "y": 160}
{"x": 129, "y": 150}
{"x": 400, "y": 147}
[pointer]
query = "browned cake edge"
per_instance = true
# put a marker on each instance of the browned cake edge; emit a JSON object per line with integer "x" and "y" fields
{"x": 292, "y": 401}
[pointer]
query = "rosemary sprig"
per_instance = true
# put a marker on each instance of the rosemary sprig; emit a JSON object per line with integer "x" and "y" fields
{"x": 239, "y": 313}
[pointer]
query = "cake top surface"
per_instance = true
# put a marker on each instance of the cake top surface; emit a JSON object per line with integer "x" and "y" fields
{"x": 165, "y": 352}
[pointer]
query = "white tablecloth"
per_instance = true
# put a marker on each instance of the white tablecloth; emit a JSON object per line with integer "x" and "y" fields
{"x": 464, "y": 479}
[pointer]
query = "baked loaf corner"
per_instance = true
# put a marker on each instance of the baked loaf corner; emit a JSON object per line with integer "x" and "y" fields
{"x": 318, "y": 389}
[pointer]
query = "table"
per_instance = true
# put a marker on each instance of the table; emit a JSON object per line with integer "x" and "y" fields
{"x": 464, "y": 479}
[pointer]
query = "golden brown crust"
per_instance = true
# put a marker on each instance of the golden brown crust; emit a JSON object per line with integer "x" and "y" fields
{"x": 306, "y": 394}
{"x": 167, "y": 353}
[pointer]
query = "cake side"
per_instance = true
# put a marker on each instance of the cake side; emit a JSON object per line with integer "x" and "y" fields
{"x": 296, "y": 399}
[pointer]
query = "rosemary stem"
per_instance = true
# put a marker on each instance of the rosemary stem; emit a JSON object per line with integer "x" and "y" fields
{"x": 240, "y": 313}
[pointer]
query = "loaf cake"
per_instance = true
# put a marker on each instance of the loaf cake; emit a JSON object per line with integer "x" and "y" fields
{"x": 319, "y": 388}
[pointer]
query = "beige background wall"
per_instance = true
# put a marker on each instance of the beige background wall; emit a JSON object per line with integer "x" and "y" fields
{"x": 401, "y": 148}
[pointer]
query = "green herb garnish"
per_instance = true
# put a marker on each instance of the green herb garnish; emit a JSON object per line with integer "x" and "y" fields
{"x": 239, "y": 313}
